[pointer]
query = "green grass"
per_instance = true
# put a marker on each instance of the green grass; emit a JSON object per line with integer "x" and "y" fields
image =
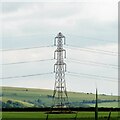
{"x": 23, "y": 96}
{"x": 81, "y": 115}
{"x": 106, "y": 105}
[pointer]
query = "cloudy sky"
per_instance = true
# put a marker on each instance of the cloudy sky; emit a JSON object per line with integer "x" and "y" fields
{"x": 90, "y": 29}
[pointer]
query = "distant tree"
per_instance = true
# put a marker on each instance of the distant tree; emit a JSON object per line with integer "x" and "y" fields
{"x": 9, "y": 104}
{"x": 39, "y": 101}
{"x": 9, "y": 101}
{"x": 26, "y": 90}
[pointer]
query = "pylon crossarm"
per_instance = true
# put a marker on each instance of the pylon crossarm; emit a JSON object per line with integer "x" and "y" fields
{"x": 55, "y": 41}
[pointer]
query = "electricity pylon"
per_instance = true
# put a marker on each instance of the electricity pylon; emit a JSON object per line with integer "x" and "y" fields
{"x": 60, "y": 97}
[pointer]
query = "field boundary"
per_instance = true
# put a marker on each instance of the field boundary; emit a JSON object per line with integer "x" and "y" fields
{"x": 48, "y": 109}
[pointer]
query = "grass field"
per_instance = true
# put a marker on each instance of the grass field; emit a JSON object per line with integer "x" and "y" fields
{"x": 42, "y": 115}
{"x": 29, "y": 96}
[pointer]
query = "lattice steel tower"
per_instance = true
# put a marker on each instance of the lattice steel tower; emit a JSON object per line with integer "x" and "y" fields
{"x": 60, "y": 97}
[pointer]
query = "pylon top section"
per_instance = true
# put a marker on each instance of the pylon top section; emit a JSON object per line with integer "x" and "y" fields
{"x": 60, "y": 35}
{"x": 59, "y": 40}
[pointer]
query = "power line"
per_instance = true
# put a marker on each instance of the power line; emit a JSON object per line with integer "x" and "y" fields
{"x": 31, "y": 75}
{"x": 92, "y": 50}
{"x": 78, "y": 76}
{"x": 72, "y": 73}
{"x": 26, "y": 62}
{"x": 71, "y": 46}
{"x": 93, "y": 63}
{"x": 91, "y": 75}
{"x": 92, "y": 38}
{"x": 27, "y": 48}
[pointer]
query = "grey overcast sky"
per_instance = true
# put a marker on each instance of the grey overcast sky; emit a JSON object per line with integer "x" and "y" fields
{"x": 90, "y": 25}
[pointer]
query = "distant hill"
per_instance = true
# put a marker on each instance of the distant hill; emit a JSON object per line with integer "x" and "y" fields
{"x": 29, "y": 97}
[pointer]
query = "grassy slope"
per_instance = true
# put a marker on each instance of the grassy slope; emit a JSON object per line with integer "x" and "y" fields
{"x": 26, "y": 104}
{"x": 21, "y": 94}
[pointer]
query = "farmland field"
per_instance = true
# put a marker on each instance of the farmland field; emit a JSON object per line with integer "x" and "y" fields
{"x": 40, "y": 98}
{"x": 29, "y": 97}
{"x": 42, "y": 115}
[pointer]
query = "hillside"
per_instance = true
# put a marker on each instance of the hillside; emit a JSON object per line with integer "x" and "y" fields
{"x": 29, "y": 97}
